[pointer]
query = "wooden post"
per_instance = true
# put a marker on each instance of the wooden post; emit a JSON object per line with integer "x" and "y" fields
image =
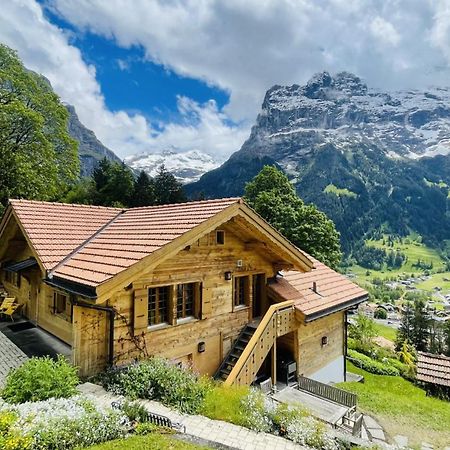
{"x": 274, "y": 362}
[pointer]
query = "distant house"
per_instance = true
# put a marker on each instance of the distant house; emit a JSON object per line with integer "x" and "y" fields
{"x": 434, "y": 370}
{"x": 206, "y": 283}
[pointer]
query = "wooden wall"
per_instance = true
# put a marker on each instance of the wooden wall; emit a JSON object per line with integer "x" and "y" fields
{"x": 312, "y": 356}
{"x": 36, "y": 296}
{"x": 219, "y": 325}
{"x": 90, "y": 343}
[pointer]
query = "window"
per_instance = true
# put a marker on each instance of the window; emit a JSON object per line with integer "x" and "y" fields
{"x": 12, "y": 278}
{"x": 220, "y": 237}
{"x": 61, "y": 305}
{"x": 158, "y": 305}
{"x": 241, "y": 291}
{"x": 185, "y": 300}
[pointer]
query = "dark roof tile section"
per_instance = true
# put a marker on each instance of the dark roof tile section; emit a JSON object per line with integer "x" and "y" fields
{"x": 133, "y": 235}
{"x": 433, "y": 368}
{"x": 333, "y": 290}
{"x": 57, "y": 229}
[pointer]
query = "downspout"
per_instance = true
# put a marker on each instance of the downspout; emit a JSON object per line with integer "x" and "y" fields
{"x": 345, "y": 344}
{"x": 111, "y": 314}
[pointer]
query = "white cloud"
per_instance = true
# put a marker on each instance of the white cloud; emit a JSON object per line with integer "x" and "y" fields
{"x": 244, "y": 47}
{"x": 46, "y": 49}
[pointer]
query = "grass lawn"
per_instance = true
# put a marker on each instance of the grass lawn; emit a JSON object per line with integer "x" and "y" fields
{"x": 386, "y": 331}
{"x": 152, "y": 441}
{"x": 402, "y": 408}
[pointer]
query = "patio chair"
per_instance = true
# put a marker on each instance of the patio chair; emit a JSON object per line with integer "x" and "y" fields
{"x": 11, "y": 310}
{"x": 6, "y": 303}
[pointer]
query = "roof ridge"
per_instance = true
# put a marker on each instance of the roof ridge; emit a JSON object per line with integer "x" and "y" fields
{"x": 84, "y": 243}
{"x": 193, "y": 202}
{"x": 73, "y": 205}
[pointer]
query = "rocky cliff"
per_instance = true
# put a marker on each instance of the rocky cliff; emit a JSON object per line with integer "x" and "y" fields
{"x": 365, "y": 157}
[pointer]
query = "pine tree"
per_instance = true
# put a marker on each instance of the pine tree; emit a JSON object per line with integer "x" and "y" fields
{"x": 144, "y": 191}
{"x": 167, "y": 188}
{"x": 420, "y": 325}
{"x": 405, "y": 330}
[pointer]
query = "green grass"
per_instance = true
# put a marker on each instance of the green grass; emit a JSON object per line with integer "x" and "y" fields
{"x": 332, "y": 189}
{"x": 152, "y": 441}
{"x": 224, "y": 403}
{"x": 414, "y": 250}
{"x": 386, "y": 331}
{"x": 402, "y": 408}
{"x": 437, "y": 280}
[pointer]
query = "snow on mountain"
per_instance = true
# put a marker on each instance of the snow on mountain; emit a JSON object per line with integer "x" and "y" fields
{"x": 342, "y": 110}
{"x": 186, "y": 166}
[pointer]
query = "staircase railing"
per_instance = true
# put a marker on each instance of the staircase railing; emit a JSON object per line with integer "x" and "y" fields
{"x": 278, "y": 321}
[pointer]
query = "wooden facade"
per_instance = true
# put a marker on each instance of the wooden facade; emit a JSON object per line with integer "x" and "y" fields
{"x": 189, "y": 306}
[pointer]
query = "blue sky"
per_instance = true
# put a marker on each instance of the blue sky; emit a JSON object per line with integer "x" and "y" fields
{"x": 132, "y": 83}
{"x": 183, "y": 75}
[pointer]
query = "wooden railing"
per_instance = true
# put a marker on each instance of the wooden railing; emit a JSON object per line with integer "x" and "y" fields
{"x": 326, "y": 391}
{"x": 278, "y": 321}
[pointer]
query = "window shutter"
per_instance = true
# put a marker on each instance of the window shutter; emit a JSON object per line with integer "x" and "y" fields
{"x": 206, "y": 305}
{"x": 140, "y": 310}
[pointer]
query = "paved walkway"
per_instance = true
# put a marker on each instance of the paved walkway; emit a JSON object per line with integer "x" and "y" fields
{"x": 217, "y": 431}
{"x": 10, "y": 357}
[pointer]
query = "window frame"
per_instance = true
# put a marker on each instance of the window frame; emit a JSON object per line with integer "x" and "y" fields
{"x": 244, "y": 285}
{"x": 157, "y": 309}
{"x": 182, "y": 288}
{"x": 220, "y": 241}
{"x": 66, "y": 312}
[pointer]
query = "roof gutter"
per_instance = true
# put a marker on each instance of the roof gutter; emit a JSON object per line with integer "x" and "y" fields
{"x": 335, "y": 308}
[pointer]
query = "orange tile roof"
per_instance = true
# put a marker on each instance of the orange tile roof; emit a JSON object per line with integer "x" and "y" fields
{"x": 57, "y": 229}
{"x": 133, "y": 235}
{"x": 433, "y": 368}
{"x": 333, "y": 290}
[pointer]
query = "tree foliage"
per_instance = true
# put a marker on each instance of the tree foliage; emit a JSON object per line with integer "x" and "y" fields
{"x": 273, "y": 197}
{"x": 114, "y": 184}
{"x": 37, "y": 155}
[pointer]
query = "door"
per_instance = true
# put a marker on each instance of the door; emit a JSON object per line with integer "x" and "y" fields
{"x": 258, "y": 293}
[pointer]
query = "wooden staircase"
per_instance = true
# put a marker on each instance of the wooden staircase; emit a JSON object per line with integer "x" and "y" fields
{"x": 235, "y": 353}
{"x": 253, "y": 345}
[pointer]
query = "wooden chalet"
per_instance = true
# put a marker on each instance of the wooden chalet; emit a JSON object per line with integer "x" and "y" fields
{"x": 206, "y": 283}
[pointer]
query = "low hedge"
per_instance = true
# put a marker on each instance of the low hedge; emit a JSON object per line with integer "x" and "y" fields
{"x": 370, "y": 365}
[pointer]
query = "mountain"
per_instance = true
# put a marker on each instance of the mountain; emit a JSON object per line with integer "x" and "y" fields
{"x": 369, "y": 159}
{"x": 187, "y": 166}
{"x": 90, "y": 149}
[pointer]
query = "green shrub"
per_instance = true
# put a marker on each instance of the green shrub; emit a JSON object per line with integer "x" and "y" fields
{"x": 255, "y": 410}
{"x": 159, "y": 379}
{"x": 61, "y": 424}
{"x": 144, "y": 428}
{"x": 380, "y": 313}
{"x": 371, "y": 365}
{"x": 10, "y": 438}
{"x": 40, "y": 379}
{"x": 135, "y": 412}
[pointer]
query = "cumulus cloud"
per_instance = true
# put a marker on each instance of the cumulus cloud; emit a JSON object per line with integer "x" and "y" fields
{"x": 46, "y": 49}
{"x": 242, "y": 47}
{"x": 246, "y": 47}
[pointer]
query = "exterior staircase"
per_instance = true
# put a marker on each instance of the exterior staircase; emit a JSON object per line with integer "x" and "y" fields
{"x": 255, "y": 342}
{"x": 236, "y": 351}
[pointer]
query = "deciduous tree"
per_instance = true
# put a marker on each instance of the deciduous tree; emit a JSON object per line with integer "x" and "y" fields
{"x": 273, "y": 197}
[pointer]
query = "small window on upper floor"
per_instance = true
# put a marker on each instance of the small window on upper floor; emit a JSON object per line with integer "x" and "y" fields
{"x": 220, "y": 237}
